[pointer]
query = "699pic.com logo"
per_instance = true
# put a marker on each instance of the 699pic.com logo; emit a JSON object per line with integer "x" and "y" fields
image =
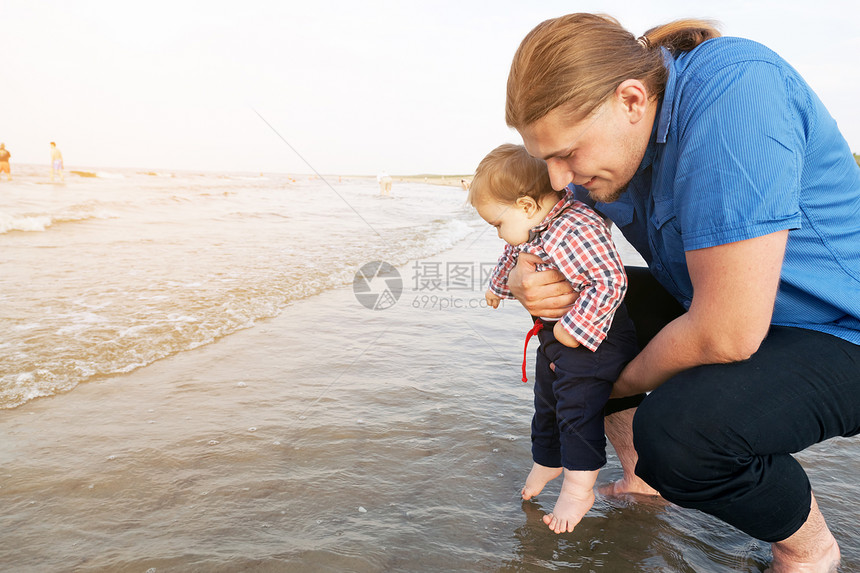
{"x": 377, "y": 285}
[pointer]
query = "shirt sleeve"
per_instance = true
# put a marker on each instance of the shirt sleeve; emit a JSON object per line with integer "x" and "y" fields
{"x": 586, "y": 256}
{"x": 499, "y": 276}
{"x": 739, "y": 157}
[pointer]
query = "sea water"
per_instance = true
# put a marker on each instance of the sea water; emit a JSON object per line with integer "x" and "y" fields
{"x": 191, "y": 382}
{"x": 113, "y": 270}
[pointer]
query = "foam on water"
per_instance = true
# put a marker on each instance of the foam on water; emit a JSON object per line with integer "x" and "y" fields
{"x": 147, "y": 266}
{"x": 29, "y": 221}
{"x": 24, "y": 223}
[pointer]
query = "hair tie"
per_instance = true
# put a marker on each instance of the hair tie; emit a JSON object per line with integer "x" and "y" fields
{"x": 644, "y": 42}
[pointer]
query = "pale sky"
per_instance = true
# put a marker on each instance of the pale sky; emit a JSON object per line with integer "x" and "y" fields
{"x": 355, "y": 87}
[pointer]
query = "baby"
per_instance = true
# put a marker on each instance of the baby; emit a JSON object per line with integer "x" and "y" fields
{"x": 580, "y": 355}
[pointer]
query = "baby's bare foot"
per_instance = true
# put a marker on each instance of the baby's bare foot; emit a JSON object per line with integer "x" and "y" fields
{"x": 574, "y": 501}
{"x": 538, "y": 478}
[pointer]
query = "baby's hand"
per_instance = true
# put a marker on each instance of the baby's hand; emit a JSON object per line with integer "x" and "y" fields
{"x": 492, "y": 298}
{"x": 564, "y": 336}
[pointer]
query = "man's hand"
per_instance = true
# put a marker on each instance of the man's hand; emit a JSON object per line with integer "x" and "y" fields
{"x": 545, "y": 293}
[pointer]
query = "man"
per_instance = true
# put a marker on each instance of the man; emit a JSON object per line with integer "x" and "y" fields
{"x": 727, "y": 174}
{"x": 56, "y": 162}
{"x": 4, "y": 162}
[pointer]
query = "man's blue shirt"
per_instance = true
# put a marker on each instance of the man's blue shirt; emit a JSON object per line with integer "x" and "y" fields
{"x": 742, "y": 147}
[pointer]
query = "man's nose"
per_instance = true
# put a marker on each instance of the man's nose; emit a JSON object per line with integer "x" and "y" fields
{"x": 560, "y": 175}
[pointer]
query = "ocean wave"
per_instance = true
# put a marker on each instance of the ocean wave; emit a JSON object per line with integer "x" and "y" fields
{"x": 106, "y": 334}
{"x": 98, "y": 174}
{"x": 93, "y": 344}
{"x": 10, "y": 223}
{"x": 39, "y": 222}
{"x": 427, "y": 240}
{"x": 156, "y": 174}
{"x": 256, "y": 215}
{"x": 246, "y": 266}
{"x": 109, "y": 175}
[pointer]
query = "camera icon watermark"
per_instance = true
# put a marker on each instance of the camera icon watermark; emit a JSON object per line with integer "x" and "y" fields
{"x": 377, "y": 285}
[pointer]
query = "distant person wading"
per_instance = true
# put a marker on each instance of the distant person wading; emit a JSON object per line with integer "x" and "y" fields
{"x": 4, "y": 161}
{"x": 56, "y": 162}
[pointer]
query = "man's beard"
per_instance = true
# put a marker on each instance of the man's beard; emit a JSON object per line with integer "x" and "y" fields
{"x": 612, "y": 196}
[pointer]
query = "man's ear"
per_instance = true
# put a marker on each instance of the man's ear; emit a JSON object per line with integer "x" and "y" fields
{"x": 527, "y": 204}
{"x": 633, "y": 96}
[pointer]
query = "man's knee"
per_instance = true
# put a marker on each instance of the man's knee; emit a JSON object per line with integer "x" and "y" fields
{"x": 683, "y": 445}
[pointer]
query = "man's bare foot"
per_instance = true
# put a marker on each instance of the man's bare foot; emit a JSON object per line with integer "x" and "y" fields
{"x": 538, "y": 478}
{"x": 811, "y": 549}
{"x": 619, "y": 430}
{"x": 574, "y": 500}
{"x": 626, "y": 486}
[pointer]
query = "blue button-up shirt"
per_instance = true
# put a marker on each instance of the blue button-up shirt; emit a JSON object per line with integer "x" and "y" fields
{"x": 742, "y": 147}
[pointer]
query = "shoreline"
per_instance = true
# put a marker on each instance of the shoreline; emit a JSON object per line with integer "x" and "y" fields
{"x": 446, "y": 180}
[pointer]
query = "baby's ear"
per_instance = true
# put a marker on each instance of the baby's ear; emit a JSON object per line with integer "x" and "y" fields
{"x": 527, "y": 204}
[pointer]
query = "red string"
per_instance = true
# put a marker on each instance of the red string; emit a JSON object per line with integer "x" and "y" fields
{"x": 535, "y": 329}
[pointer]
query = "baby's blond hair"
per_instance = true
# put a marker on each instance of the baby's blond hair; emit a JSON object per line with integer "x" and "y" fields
{"x": 507, "y": 173}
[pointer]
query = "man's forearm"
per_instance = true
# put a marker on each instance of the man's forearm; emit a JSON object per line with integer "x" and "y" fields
{"x": 681, "y": 345}
{"x": 735, "y": 287}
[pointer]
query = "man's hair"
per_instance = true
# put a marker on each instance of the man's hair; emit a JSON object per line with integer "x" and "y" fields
{"x": 507, "y": 173}
{"x": 577, "y": 61}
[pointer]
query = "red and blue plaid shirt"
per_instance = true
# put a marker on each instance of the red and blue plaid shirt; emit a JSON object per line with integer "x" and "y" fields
{"x": 576, "y": 241}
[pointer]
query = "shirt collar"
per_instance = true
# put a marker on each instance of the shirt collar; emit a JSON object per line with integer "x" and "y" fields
{"x": 660, "y": 130}
{"x": 665, "y": 113}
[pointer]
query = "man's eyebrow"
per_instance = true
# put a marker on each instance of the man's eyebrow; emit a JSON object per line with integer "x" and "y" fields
{"x": 561, "y": 153}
